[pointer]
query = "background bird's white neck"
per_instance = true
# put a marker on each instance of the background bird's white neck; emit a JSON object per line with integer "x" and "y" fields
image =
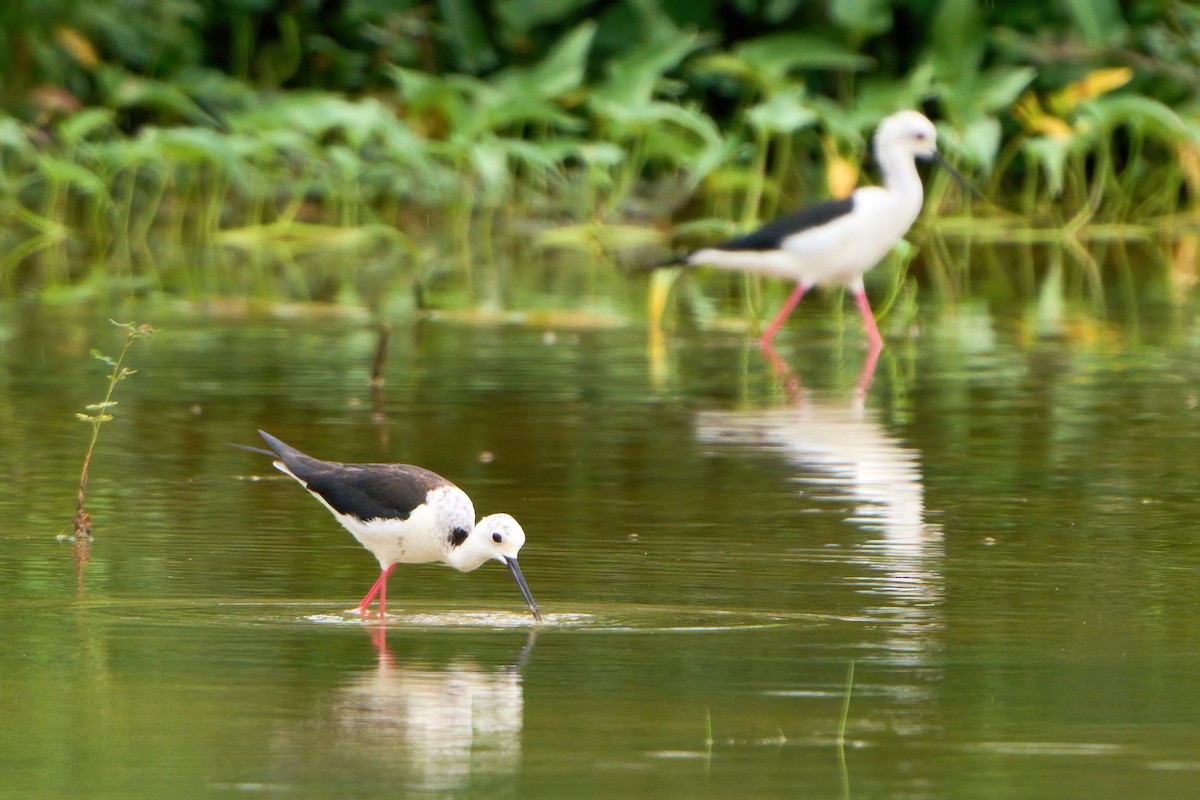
{"x": 900, "y": 174}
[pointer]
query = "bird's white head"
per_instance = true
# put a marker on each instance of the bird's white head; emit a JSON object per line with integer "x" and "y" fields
{"x": 498, "y": 537}
{"x": 907, "y": 133}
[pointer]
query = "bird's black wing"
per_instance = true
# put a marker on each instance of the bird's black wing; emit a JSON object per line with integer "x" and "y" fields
{"x": 771, "y": 235}
{"x": 366, "y": 491}
{"x": 370, "y": 491}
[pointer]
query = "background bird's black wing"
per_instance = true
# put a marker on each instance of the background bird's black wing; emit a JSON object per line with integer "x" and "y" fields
{"x": 771, "y": 235}
{"x": 370, "y": 491}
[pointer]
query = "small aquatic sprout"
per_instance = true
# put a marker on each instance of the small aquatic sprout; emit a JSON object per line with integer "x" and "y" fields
{"x": 96, "y": 414}
{"x": 841, "y": 734}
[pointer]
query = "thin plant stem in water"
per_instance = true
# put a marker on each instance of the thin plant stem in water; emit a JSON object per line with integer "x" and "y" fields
{"x": 97, "y": 414}
{"x": 841, "y": 734}
{"x": 708, "y": 740}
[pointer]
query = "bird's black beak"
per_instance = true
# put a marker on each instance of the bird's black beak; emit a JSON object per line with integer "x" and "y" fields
{"x": 520, "y": 579}
{"x": 937, "y": 157}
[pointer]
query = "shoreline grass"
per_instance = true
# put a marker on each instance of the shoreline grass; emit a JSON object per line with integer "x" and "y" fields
{"x": 668, "y": 139}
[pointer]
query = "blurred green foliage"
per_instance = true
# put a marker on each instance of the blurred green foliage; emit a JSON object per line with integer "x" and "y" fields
{"x": 283, "y": 123}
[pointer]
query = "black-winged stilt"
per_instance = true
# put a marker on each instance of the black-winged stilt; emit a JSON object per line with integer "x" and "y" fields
{"x": 404, "y": 515}
{"x": 836, "y": 242}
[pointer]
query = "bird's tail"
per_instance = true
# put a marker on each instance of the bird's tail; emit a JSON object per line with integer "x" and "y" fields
{"x": 286, "y": 453}
{"x": 278, "y": 449}
{"x": 248, "y": 448}
{"x": 299, "y": 465}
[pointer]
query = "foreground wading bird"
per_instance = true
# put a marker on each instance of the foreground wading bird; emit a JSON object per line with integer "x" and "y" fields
{"x": 836, "y": 242}
{"x": 404, "y": 515}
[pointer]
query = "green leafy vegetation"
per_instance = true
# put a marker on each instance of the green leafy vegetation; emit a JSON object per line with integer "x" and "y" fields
{"x": 412, "y": 140}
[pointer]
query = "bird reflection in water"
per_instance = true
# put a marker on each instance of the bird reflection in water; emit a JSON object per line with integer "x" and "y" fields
{"x": 432, "y": 727}
{"x": 840, "y": 452}
{"x": 790, "y": 381}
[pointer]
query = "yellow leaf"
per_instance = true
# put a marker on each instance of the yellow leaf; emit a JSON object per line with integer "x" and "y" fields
{"x": 1054, "y": 128}
{"x": 1184, "y": 274}
{"x": 842, "y": 176}
{"x": 1094, "y": 84}
{"x": 80, "y": 48}
{"x": 1028, "y": 111}
{"x": 660, "y": 288}
{"x": 1103, "y": 81}
{"x": 1189, "y": 162}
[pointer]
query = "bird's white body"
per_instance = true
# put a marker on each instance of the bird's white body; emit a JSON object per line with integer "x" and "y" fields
{"x": 416, "y": 540}
{"x": 835, "y": 243}
{"x": 405, "y": 515}
{"x": 839, "y": 252}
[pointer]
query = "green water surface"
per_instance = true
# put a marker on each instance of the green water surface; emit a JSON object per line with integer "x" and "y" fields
{"x": 1002, "y": 539}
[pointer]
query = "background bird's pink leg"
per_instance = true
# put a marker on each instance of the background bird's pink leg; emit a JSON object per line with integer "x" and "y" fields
{"x": 868, "y": 371}
{"x": 860, "y": 296}
{"x": 379, "y": 586}
{"x": 781, "y": 317}
{"x": 788, "y": 380}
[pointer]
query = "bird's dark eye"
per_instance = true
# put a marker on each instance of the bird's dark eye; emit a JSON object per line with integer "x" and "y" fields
{"x": 497, "y": 538}
{"x": 919, "y": 136}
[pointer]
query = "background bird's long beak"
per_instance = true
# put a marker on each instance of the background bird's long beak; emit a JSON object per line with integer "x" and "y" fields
{"x": 937, "y": 156}
{"x": 520, "y": 579}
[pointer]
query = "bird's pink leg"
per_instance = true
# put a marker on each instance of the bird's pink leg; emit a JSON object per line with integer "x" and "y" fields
{"x": 379, "y": 639}
{"x": 780, "y": 318}
{"x": 788, "y": 380}
{"x": 864, "y": 307}
{"x": 378, "y": 588}
{"x": 868, "y": 371}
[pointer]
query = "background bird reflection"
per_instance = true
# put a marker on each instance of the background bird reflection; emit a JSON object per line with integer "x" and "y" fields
{"x": 844, "y": 458}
